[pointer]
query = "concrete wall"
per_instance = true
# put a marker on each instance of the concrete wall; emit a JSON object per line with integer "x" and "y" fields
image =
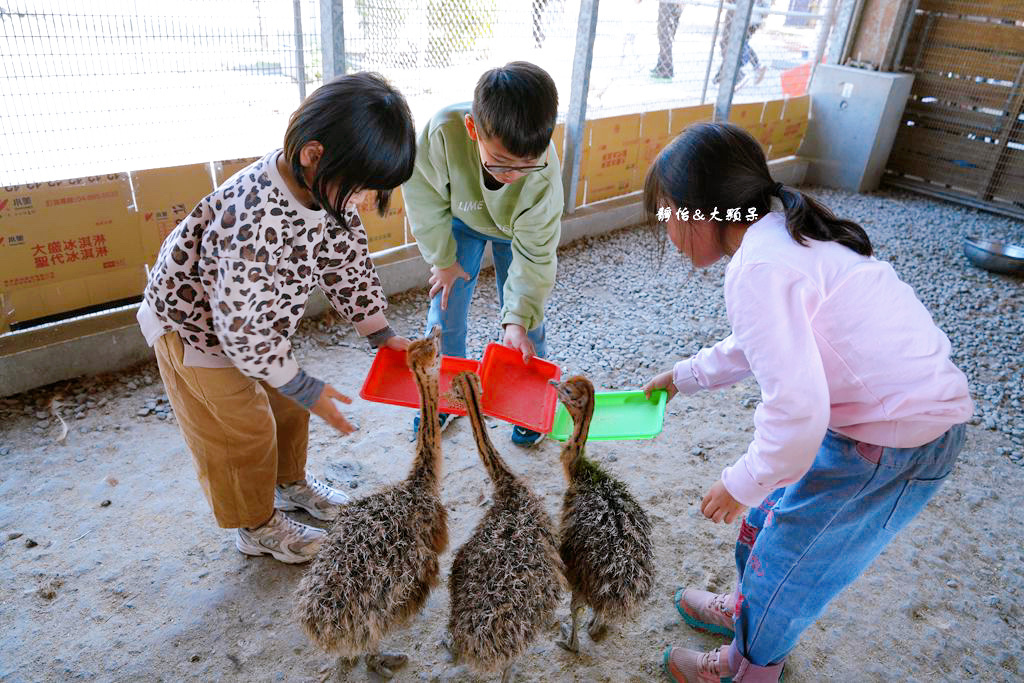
{"x": 111, "y": 340}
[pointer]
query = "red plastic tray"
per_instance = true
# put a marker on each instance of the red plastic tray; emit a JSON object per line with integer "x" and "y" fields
{"x": 390, "y": 380}
{"x": 519, "y": 392}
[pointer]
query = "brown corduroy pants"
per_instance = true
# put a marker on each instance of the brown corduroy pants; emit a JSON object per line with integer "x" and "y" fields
{"x": 244, "y": 435}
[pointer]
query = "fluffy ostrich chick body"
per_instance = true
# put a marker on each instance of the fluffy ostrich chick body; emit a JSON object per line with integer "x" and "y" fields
{"x": 507, "y": 579}
{"x": 379, "y": 561}
{"x": 605, "y": 536}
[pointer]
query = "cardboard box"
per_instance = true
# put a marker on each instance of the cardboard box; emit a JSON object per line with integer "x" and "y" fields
{"x": 388, "y": 231}
{"x": 684, "y": 116}
{"x": 165, "y": 196}
{"x": 610, "y": 157}
{"x": 64, "y": 230}
{"x": 773, "y": 111}
{"x": 222, "y": 170}
{"x": 62, "y": 297}
{"x": 787, "y": 138}
{"x": 655, "y": 134}
{"x": 68, "y": 244}
{"x": 558, "y": 137}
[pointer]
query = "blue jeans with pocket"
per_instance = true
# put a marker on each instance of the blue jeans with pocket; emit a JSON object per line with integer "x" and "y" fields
{"x": 808, "y": 541}
{"x": 454, "y": 321}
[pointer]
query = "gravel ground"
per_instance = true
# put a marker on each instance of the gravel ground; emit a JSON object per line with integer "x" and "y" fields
{"x": 113, "y": 569}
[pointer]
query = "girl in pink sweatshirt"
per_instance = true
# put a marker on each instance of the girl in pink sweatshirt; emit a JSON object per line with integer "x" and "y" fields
{"x": 861, "y": 414}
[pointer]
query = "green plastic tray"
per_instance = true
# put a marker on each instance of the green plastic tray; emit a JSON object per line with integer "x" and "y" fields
{"x": 618, "y": 416}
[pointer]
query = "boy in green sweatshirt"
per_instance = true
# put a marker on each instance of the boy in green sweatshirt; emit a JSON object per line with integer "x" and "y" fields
{"x": 488, "y": 172}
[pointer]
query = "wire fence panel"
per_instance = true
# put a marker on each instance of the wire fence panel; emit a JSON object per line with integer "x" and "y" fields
{"x": 660, "y": 54}
{"x": 98, "y": 86}
{"x": 434, "y": 51}
{"x": 95, "y": 86}
{"x": 783, "y": 39}
{"x": 962, "y": 132}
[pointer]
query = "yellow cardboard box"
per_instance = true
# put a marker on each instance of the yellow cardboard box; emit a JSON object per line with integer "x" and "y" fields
{"x": 163, "y": 197}
{"x": 684, "y": 116}
{"x": 68, "y": 244}
{"x": 610, "y": 157}
{"x": 655, "y": 133}
{"x": 388, "y": 231}
{"x": 222, "y": 170}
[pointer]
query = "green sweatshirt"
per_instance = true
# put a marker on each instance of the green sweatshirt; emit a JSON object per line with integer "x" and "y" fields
{"x": 448, "y": 181}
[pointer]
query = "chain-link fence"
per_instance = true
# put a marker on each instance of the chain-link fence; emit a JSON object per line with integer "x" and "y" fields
{"x": 435, "y": 50}
{"x": 95, "y": 86}
{"x": 658, "y": 54}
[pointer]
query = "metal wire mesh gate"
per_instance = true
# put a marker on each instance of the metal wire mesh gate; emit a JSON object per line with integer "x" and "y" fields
{"x": 962, "y": 133}
{"x": 96, "y": 86}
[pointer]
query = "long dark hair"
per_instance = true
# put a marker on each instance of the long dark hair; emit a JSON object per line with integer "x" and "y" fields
{"x": 720, "y": 165}
{"x": 368, "y": 136}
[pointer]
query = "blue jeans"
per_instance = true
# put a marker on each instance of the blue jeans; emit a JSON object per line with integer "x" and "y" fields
{"x": 469, "y": 251}
{"x": 808, "y": 541}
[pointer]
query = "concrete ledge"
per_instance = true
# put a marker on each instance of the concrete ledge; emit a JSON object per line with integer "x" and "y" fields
{"x": 110, "y": 341}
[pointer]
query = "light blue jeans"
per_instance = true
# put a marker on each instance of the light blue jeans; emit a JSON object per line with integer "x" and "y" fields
{"x": 469, "y": 251}
{"x": 808, "y": 541}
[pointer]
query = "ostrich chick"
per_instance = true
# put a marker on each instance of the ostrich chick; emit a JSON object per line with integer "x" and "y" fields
{"x": 507, "y": 579}
{"x": 379, "y": 561}
{"x": 605, "y": 535}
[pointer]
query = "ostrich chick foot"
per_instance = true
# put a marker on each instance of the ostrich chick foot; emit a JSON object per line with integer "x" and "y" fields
{"x": 570, "y": 640}
{"x": 448, "y": 643}
{"x": 384, "y": 663}
{"x": 597, "y": 628}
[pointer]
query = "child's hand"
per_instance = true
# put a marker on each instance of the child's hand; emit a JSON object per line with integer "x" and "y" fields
{"x": 325, "y": 409}
{"x": 515, "y": 338}
{"x": 443, "y": 279}
{"x": 662, "y": 381}
{"x": 719, "y": 505}
{"x": 397, "y": 343}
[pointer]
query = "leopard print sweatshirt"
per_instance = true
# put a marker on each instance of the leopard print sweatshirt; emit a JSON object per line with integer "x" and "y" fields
{"x": 233, "y": 278}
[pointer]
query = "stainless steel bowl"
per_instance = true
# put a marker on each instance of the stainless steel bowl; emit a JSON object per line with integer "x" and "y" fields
{"x": 998, "y": 257}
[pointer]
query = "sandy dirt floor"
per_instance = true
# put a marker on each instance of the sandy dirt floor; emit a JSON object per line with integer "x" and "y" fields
{"x": 112, "y": 568}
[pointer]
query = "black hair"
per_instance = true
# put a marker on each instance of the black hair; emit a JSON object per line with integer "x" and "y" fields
{"x": 721, "y": 165}
{"x": 369, "y": 140}
{"x": 517, "y": 104}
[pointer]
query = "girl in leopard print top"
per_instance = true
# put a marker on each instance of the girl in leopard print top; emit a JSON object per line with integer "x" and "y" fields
{"x": 232, "y": 280}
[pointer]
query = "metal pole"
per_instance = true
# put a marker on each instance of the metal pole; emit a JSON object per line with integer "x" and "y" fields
{"x": 300, "y": 58}
{"x": 332, "y": 38}
{"x": 731, "y": 60}
{"x": 904, "y": 36}
{"x": 823, "y": 31}
{"x": 842, "y": 27}
{"x": 711, "y": 54}
{"x": 586, "y": 33}
{"x": 851, "y": 32}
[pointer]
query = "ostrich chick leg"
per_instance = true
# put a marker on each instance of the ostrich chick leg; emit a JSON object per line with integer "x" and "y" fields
{"x": 570, "y": 637}
{"x": 509, "y": 674}
{"x": 384, "y": 663}
{"x": 448, "y": 643}
{"x": 597, "y": 628}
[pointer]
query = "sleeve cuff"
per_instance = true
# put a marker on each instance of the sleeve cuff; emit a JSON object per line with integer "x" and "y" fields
{"x": 374, "y": 323}
{"x": 684, "y": 379}
{"x": 742, "y": 486}
{"x": 513, "y": 319}
{"x": 279, "y": 376}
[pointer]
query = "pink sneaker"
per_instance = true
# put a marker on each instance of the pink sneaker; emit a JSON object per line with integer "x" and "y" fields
{"x": 704, "y": 611}
{"x": 690, "y": 666}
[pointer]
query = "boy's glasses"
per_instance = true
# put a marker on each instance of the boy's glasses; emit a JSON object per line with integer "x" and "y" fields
{"x": 492, "y": 168}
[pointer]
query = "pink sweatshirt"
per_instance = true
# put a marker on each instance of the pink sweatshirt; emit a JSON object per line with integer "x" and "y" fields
{"x": 835, "y": 340}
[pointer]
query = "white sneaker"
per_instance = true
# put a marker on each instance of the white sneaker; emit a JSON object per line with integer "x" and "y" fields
{"x": 311, "y": 495}
{"x": 283, "y": 538}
